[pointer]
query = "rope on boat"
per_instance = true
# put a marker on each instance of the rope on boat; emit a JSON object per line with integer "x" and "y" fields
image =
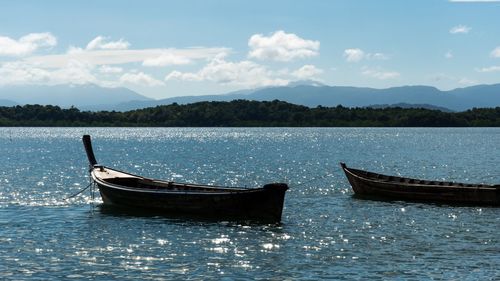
{"x": 80, "y": 192}
{"x": 91, "y": 185}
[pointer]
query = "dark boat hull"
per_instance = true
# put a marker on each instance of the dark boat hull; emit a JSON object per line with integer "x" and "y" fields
{"x": 137, "y": 194}
{"x": 382, "y": 187}
{"x": 262, "y": 204}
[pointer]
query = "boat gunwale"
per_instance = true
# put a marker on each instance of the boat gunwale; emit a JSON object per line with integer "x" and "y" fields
{"x": 454, "y": 185}
{"x": 218, "y": 190}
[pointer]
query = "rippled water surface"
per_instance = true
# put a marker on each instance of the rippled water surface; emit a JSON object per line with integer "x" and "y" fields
{"x": 325, "y": 232}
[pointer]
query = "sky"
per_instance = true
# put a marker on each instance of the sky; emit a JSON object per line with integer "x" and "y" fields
{"x": 163, "y": 49}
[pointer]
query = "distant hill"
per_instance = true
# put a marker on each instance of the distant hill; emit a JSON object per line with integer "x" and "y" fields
{"x": 4, "y": 102}
{"x": 356, "y": 97}
{"x": 307, "y": 93}
{"x": 313, "y": 95}
{"x": 88, "y": 96}
{"x": 408, "y": 105}
{"x": 313, "y": 83}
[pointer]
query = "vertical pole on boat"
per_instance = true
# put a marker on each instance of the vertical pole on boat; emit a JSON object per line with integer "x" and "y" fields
{"x": 87, "y": 143}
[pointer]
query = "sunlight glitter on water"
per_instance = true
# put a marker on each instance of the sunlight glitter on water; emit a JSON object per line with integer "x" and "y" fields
{"x": 325, "y": 233}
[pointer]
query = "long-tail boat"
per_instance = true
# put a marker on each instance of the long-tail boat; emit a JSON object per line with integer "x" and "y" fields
{"x": 383, "y": 187}
{"x": 136, "y": 193}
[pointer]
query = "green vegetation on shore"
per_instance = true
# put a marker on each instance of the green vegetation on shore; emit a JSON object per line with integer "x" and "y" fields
{"x": 243, "y": 113}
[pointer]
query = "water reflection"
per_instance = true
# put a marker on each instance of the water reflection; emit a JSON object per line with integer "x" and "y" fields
{"x": 325, "y": 232}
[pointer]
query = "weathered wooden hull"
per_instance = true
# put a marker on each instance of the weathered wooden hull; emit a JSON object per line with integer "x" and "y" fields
{"x": 136, "y": 193}
{"x": 259, "y": 204}
{"x": 377, "y": 186}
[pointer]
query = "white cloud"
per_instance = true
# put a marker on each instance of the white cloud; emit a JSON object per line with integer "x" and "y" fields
{"x": 356, "y": 55}
{"x": 166, "y": 59}
{"x": 466, "y": 81}
{"x": 106, "y": 69}
{"x": 26, "y": 44}
{"x": 141, "y": 79}
{"x": 99, "y": 43}
{"x": 87, "y": 65}
{"x": 496, "y": 52}
{"x": 380, "y": 74}
{"x": 281, "y": 46}
{"x": 494, "y": 68}
{"x": 17, "y": 73}
{"x": 99, "y": 60}
{"x": 244, "y": 73}
{"x": 75, "y": 72}
{"x": 463, "y": 29}
{"x": 448, "y": 55}
{"x": 186, "y": 76}
{"x": 307, "y": 71}
{"x": 377, "y": 56}
{"x": 74, "y": 50}
{"x": 111, "y": 57}
{"x": 452, "y": 80}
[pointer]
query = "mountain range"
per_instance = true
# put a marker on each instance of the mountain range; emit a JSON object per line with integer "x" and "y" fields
{"x": 308, "y": 93}
{"x": 81, "y": 96}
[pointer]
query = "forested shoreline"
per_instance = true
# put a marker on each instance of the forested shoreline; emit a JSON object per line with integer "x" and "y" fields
{"x": 244, "y": 113}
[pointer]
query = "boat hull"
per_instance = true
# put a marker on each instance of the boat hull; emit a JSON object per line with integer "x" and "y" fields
{"x": 420, "y": 191}
{"x": 262, "y": 204}
{"x": 134, "y": 193}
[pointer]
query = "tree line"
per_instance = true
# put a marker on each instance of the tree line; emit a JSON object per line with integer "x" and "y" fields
{"x": 244, "y": 113}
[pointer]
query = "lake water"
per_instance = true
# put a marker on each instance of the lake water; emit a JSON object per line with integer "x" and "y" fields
{"x": 325, "y": 232}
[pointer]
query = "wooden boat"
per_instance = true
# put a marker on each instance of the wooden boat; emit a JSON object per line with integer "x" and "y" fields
{"x": 136, "y": 193}
{"x": 377, "y": 186}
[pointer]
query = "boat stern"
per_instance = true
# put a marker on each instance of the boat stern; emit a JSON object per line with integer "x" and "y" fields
{"x": 279, "y": 187}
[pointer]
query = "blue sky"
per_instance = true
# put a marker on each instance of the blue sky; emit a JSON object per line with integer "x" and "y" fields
{"x": 173, "y": 48}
